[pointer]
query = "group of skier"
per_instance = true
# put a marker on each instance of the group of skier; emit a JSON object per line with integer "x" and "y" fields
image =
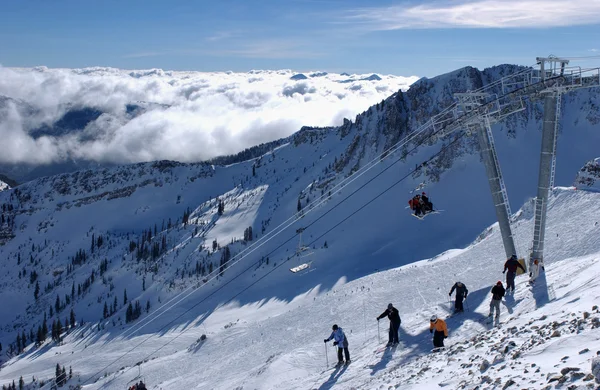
{"x": 437, "y": 326}
{"x": 138, "y": 386}
{"x": 511, "y": 265}
{"x": 420, "y": 204}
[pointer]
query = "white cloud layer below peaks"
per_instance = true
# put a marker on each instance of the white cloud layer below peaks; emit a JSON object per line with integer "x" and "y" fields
{"x": 185, "y": 116}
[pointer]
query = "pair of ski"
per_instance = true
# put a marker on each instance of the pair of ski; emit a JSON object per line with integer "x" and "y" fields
{"x": 421, "y": 217}
{"x": 385, "y": 347}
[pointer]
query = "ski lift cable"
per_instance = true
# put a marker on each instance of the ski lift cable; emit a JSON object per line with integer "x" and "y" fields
{"x": 290, "y": 221}
{"x": 384, "y": 155}
{"x": 284, "y": 225}
{"x": 319, "y": 201}
{"x": 444, "y": 148}
{"x": 354, "y": 177}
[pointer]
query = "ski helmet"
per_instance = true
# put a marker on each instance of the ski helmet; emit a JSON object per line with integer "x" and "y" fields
{"x": 390, "y": 305}
{"x": 334, "y": 327}
{"x": 499, "y": 283}
{"x": 433, "y": 318}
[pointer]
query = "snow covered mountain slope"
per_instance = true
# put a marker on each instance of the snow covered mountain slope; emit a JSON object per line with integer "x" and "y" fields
{"x": 3, "y": 186}
{"x": 278, "y": 344}
{"x": 154, "y": 231}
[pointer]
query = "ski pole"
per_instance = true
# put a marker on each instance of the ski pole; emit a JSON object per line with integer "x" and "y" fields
{"x": 378, "y": 338}
{"x": 326, "y": 356}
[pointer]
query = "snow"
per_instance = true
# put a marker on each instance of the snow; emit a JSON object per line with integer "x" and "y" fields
{"x": 3, "y": 186}
{"x": 264, "y": 325}
{"x": 278, "y": 344}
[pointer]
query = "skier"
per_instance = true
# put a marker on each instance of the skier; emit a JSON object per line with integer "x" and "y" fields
{"x": 441, "y": 331}
{"x": 415, "y": 204}
{"x": 392, "y": 313}
{"x": 341, "y": 342}
{"x": 511, "y": 264}
{"x": 461, "y": 293}
{"x": 141, "y": 386}
{"x": 427, "y": 205}
{"x": 497, "y": 294}
{"x": 535, "y": 270}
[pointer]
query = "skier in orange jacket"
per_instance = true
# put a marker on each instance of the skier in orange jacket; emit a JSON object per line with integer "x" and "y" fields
{"x": 441, "y": 331}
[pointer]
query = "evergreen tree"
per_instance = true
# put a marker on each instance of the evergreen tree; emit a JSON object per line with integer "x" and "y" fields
{"x": 44, "y": 330}
{"x": 129, "y": 313}
{"x": 147, "y": 306}
{"x": 299, "y": 207}
{"x": 21, "y": 383}
{"x": 57, "y": 304}
{"x": 57, "y": 373}
{"x": 105, "y": 312}
{"x": 72, "y": 318}
{"x": 125, "y": 297}
{"x": 36, "y": 293}
{"x": 63, "y": 375}
{"x": 70, "y": 372}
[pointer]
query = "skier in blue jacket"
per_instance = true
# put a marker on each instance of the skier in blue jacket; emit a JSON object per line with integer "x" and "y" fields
{"x": 341, "y": 342}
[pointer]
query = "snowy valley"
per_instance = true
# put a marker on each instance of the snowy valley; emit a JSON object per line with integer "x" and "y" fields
{"x": 179, "y": 273}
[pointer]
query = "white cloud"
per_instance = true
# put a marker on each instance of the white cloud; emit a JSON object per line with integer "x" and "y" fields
{"x": 189, "y": 116}
{"x": 480, "y": 14}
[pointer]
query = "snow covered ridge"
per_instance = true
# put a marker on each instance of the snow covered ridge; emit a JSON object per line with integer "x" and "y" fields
{"x": 3, "y": 186}
{"x": 589, "y": 176}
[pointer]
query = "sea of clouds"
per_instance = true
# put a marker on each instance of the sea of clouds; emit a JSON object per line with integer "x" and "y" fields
{"x": 185, "y": 116}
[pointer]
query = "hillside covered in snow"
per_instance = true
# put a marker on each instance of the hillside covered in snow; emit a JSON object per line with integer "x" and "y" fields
{"x": 180, "y": 272}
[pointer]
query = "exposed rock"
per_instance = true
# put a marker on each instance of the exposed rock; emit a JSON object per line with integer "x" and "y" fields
{"x": 556, "y": 333}
{"x": 577, "y": 375}
{"x": 596, "y": 368}
{"x": 508, "y": 383}
{"x": 553, "y": 377}
{"x": 566, "y": 370}
{"x": 588, "y": 377}
{"x": 586, "y": 315}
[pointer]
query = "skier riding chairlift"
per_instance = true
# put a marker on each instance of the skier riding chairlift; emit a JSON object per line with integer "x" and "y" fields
{"x": 421, "y": 205}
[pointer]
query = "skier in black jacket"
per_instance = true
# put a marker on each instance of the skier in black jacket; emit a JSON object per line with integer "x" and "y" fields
{"x": 392, "y": 313}
{"x": 461, "y": 293}
{"x": 511, "y": 265}
{"x": 497, "y": 294}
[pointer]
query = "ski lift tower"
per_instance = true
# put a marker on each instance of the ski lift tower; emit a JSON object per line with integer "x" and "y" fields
{"x": 550, "y": 68}
{"x": 490, "y": 109}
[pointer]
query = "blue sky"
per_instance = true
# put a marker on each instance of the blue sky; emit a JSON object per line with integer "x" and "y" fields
{"x": 392, "y": 37}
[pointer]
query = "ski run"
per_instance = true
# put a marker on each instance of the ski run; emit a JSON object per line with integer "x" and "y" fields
{"x": 547, "y": 338}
